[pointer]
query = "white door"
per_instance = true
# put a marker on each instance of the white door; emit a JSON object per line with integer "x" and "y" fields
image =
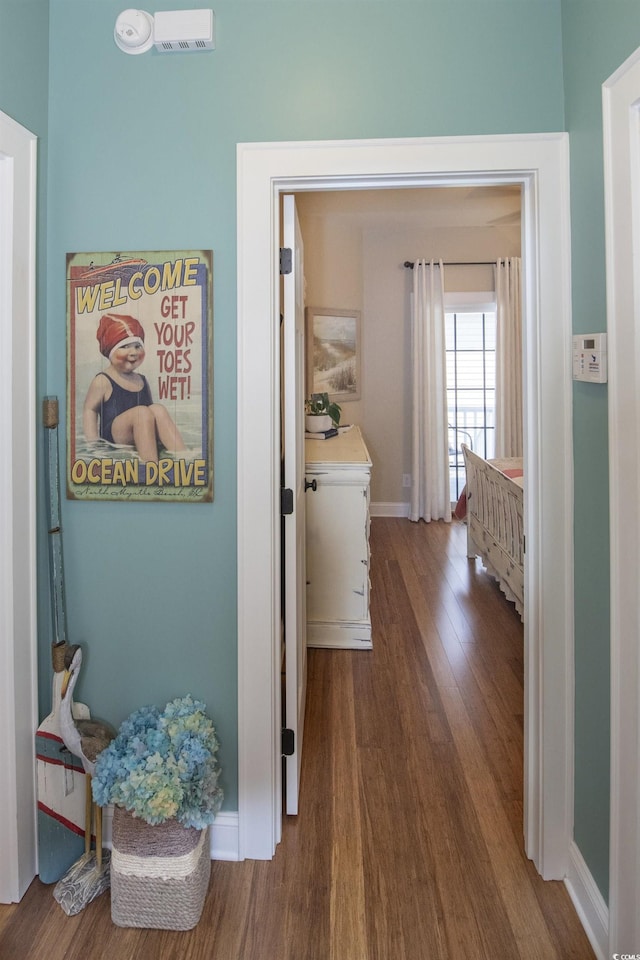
{"x": 295, "y": 618}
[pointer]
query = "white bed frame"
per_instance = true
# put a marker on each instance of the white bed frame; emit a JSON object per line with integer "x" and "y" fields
{"x": 495, "y": 528}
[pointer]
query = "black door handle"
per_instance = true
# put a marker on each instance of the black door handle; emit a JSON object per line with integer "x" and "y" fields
{"x": 313, "y": 485}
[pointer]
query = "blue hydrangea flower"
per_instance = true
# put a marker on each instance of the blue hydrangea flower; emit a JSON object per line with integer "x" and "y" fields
{"x": 162, "y": 764}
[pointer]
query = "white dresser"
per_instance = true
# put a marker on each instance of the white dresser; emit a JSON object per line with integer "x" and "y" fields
{"x": 338, "y": 542}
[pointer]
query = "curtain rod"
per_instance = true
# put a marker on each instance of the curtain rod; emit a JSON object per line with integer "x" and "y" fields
{"x": 458, "y": 263}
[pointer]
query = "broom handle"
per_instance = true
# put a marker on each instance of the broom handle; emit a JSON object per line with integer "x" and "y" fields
{"x": 56, "y": 564}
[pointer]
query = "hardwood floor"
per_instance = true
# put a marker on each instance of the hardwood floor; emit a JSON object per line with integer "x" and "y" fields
{"x": 409, "y": 844}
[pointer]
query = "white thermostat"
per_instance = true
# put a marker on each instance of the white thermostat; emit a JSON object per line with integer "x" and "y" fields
{"x": 590, "y": 357}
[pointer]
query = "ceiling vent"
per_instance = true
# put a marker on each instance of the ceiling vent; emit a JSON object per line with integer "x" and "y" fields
{"x": 178, "y": 31}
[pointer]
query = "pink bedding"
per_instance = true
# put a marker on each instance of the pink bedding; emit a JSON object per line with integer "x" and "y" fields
{"x": 510, "y": 466}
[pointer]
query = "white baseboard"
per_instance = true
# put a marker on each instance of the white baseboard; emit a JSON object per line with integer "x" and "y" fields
{"x": 389, "y": 509}
{"x": 589, "y": 903}
{"x": 224, "y": 834}
{"x": 342, "y": 635}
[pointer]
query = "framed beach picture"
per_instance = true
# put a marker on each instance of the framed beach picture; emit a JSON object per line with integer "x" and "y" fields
{"x": 333, "y": 353}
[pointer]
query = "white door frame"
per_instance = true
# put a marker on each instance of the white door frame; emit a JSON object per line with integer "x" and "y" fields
{"x": 18, "y": 635}
{"x": 540, "y": 163}
{"x": 621, "y": 116}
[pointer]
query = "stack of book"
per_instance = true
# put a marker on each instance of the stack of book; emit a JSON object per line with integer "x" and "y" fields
{"x": 322, "y": 434}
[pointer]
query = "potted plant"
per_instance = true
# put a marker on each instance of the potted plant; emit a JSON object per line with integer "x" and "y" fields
{"x": 161, "y": 774}
{"x": 321, "y": 413}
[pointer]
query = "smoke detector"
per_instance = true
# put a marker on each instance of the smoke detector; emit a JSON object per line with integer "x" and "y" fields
{"x": 171, "y": 31}
{"x": 133, "y": 31}
{"x": 178, "y": 31}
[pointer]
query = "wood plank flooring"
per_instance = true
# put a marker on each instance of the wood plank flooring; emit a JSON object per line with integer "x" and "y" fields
{"x": 409, "y": 844}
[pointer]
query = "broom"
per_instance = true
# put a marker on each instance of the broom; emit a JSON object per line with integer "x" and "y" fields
{"x": 61, "y": 776}
{"x": 62, "y": 818}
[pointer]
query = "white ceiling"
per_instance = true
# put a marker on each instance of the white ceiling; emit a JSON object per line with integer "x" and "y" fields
{"x": 474, "y": 206}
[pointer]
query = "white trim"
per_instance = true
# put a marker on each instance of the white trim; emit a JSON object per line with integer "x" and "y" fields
{"x": 589, "y": 903}
{"x": 18, "y": 633}
{"x": 621, "y": 130}
{"x": 540, "y": 164}
{"x": 223, "y": 834}
{"x": 383, "y": 509}
{"x": 345, "y": 635}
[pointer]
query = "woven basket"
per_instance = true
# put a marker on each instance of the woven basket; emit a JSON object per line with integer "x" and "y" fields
{"x": 159, "y": 874}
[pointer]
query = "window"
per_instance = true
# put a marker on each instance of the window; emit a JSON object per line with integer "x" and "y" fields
{"x": 471, "y": 383}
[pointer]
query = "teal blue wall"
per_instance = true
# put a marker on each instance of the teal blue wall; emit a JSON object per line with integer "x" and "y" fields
{"x": 24, "y": 62}
{"x": 598, "y": 35}
{"x": 143, "y": 156}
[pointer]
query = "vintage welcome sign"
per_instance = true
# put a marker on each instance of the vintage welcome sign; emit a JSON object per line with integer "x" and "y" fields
{"x": 140, "y": 382}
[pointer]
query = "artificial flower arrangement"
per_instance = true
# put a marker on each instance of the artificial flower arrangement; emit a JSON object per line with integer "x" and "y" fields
{"x": 162, "y": 765}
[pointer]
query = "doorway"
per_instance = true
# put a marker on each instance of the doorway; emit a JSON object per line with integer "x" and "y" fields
{"x": 540, "y": 165}
{"x": 18, "y": 693}
{"x": 351, "y": 247}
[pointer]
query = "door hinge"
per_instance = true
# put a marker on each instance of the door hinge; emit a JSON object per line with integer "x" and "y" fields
{"x": 286, "y": 501}
{"x": 288, "y": 742}
{"x": 285, "y": 261}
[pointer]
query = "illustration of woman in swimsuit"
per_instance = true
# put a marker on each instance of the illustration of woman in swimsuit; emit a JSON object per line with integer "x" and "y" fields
{"x": 119, "y": 407}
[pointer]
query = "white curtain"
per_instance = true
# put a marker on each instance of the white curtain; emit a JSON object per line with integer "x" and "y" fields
{"x": 430, "y": 498}
{"x": 508, "y": 358}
